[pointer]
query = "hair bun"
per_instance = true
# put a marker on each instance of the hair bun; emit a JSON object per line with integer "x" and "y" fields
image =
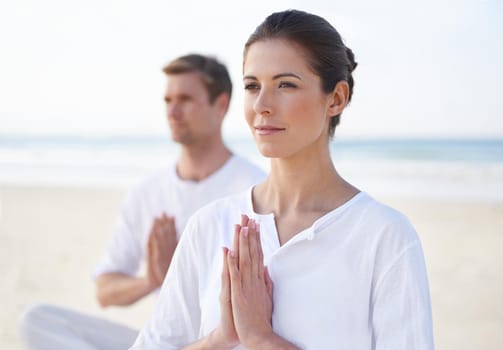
{"x": 351, "y": 58}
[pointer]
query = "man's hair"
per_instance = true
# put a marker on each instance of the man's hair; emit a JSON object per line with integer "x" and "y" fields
{"x": 213, "y": 73}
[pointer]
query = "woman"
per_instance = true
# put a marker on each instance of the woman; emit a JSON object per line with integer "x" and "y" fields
{"x": 343, "y": 271}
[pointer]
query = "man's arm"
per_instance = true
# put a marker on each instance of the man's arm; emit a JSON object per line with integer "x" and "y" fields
{"x": 115, "y": 288}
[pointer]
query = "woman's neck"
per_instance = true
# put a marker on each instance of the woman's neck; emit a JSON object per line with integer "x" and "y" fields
{"x": 302, "y": 184}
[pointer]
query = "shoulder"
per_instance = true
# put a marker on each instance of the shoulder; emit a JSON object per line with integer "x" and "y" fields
{"x": 212, "y": 226}
{"x": 227, "y": 208}
{"x": 386, "y": 219}
{"x": 219, "y": 217}
{"x": 385, "y": 231}
{"x": 390, "y": 236}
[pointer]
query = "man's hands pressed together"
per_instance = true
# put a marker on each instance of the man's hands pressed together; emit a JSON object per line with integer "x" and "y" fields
{"x": 160, "y": 248}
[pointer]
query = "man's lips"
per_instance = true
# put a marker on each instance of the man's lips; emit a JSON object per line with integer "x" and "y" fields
{"x": 267, "y": 129}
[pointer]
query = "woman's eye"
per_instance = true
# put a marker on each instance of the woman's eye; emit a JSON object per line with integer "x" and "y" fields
{"x": 252, "y": 86}
{"x": 285, "y": 84}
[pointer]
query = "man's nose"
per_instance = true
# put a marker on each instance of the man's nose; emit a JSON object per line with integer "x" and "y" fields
{"x": 174, "y": 110}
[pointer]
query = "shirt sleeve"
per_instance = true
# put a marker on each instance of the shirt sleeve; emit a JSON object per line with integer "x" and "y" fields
{"x": 176, "y": 318}
{"x": 401, "y": 315}
{"x": 124, "y": 252}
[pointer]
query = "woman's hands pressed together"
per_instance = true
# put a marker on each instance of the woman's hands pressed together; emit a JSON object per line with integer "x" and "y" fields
{"x": 246, "y": 294}
{"x": 246, "y": 297}
{"x": 251, "y": 287}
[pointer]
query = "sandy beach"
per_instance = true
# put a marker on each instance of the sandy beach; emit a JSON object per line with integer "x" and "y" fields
{"x": 51, "y": 237}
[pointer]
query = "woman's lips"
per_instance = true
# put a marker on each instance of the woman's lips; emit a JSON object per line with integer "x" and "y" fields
{"x": 267, "y": 130}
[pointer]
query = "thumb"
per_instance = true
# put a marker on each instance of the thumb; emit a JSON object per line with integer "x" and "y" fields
{"x": 268, "y": 282}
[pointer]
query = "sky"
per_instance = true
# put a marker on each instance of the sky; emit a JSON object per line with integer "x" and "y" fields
{"x": 425, "y": 68}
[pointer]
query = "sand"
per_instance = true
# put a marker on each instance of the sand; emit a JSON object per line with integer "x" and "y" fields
{"x": 51, "y": 237}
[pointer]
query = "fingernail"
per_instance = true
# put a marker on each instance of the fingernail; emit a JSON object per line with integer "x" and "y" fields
{"x": 232, "y": 253}
{"x": 245, "y": 231}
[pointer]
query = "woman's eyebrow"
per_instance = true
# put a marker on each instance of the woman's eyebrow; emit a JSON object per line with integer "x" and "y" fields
{"x": 288, "y": 74}
{"x": 277, "y": 76}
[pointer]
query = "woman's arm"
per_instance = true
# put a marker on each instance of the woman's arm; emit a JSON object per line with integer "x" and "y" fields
{"x": 401, "y": 317}
{"x": 176, "y": 317}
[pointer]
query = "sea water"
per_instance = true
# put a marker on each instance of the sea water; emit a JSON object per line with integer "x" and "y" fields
{"x": 444, "y": 169}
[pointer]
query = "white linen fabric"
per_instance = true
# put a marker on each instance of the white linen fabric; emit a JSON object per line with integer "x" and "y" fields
{"x": 50, "y": 327}
{"x": 53, "y": 327}
{"x": 356, "y": 279}
{"x": 162, "y": 192}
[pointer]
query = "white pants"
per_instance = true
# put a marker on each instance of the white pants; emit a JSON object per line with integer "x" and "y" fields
{"x": 49, "y": 327}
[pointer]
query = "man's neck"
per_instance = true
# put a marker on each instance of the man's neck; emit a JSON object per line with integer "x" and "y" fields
{"x": 197, "y": 162}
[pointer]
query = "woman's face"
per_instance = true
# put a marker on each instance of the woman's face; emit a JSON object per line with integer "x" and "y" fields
{"x": 284, "y": 105}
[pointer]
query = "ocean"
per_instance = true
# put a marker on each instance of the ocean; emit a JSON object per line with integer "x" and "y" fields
{"x": 433, "y": 168}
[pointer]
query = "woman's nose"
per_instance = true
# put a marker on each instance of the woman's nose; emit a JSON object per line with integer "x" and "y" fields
{"x": 263, "y": 103}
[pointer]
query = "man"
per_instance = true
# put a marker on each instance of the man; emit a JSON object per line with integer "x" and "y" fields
{"x": 155, "y": 212}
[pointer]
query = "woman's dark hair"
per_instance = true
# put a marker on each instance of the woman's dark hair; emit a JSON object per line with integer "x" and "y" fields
{"x": 327, "y": 55}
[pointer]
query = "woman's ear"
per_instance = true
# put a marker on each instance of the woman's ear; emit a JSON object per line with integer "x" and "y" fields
{"x": 338, "y": 98}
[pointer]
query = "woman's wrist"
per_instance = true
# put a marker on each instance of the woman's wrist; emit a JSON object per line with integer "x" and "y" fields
{"x": 213, "y": 341}
{"x": 216, "y": 340}
{"x": 271, "y": 341}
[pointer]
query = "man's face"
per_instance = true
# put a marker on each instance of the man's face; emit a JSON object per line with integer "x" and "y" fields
{"x": 191, "y": 117}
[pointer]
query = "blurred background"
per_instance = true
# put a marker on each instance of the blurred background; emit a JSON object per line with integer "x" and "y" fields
{"x": 82, "y": 119}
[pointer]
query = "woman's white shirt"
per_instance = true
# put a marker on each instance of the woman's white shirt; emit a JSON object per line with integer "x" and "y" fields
{"x": 356, "y": 279}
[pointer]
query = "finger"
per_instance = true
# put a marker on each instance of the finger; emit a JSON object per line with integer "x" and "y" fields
{"x": 172, "y": 227}
{"x": 154, "y": 236}
{"x": 244, "y": 220}
{"x": 168, "y": 223}
{"x": 164, "y": 227}
{"x": 150, "y": 263}
{"x": 149, "y": 251}
{"x": 255, "y": 263}
{"x": 157, "y": 227}
{"x": 163, "y": 234}
{"x": 166, "y": 234}
{"x": 236, "y": 287}
{"x": 259, "y": 246}
{"x": 153, "y": 228}
{"x": 235, "y": 243}
{"x": 244, "y": 255}
{"x": 225, "y": 293}
{"x": 159, "y": 240}
{"x": 151, "y": 234}
{"x": 154, "y": 248}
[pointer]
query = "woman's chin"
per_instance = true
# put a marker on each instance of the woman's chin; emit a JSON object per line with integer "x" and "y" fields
{"x": 272, "y": 151}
